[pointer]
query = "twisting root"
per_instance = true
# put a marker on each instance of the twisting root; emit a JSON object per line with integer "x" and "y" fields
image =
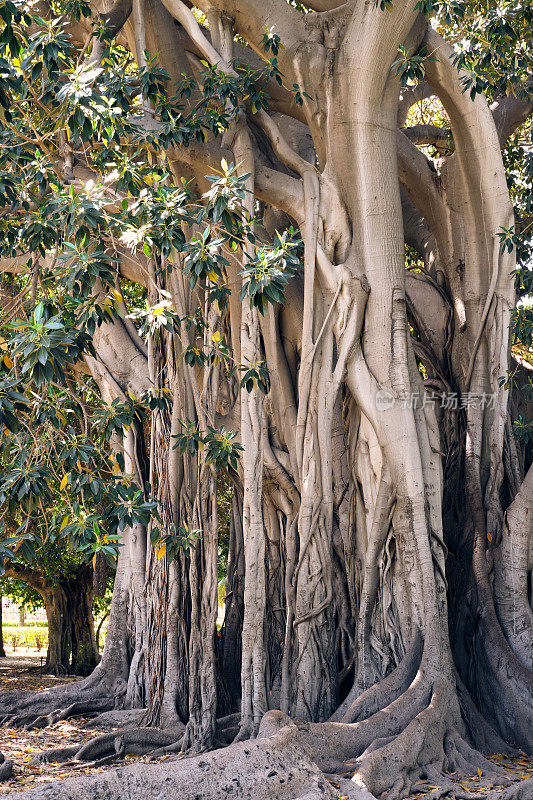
{"x": 93, "y": 694}
{"x": 31, "y": 721}
{"x": 384, "y": 692}
{"x": 110, "y": 746}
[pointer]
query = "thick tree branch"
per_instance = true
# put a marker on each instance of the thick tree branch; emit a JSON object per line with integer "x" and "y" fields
{"x": 252, "y": 17}
{"x": 29, "y": 576}
{"x": 419, "y": 179}
{"x": 417, "y": 233}
{"x": 429, "y": 134}
{"x": 272, "y": 186}
{"x": 409, "y": 95}
{"x": 280, "y": 99}
{"x": 113, "y": 21}
{"x": 509, "y": 112}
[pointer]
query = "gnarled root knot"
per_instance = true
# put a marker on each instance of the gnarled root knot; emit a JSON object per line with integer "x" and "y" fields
{"x": 6, "y": 768}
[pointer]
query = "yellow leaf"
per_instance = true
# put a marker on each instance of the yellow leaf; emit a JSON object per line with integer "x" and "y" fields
{"x": 94, "y": 561}
{"x": 78, "y": 464}
{"x": 213, "y": 276}
{"x": 131, "y": 395}
{"x": 25, "y": 760}
{"x": 8, "y": 362}
{"x": 489, "y": 537}
{"x": 224, "y": 164}
{"x": 217, "y": 336}
{"x": 63, "y": 482}
{"x": 479, "y": 773}
{"x": 162, "y": 550}
{"x": 116, "y": 295}
{"x": 65, "y": 521}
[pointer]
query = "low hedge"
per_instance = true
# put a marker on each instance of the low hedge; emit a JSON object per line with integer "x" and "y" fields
{"x": 28, "y": 624}
{"x": 25, "y": 637}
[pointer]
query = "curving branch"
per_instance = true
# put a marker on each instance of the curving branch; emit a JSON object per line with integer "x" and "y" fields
{"x": 113, "y": 21}
{"x": 420, "y": 181}
{"x": 26, "y": 574}
{"x": 252, "y": 17}
{"x": 409, "y": 95}
{"x": 509, "y": 112}
{"x": 429, "y": 134}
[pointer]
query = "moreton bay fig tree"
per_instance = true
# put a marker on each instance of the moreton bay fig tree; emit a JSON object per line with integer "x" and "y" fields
{"x": 277, "y": 244}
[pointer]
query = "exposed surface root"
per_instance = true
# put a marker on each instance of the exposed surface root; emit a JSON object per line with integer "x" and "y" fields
{"x": 518, "y": 791}
{"x": 39, "y": 709}
{"x": 262, "y": 769}
{"x": 30, "y": 721}
{"x": 384, "y": 692}
{"x": 480, "y": 732}
{"x": 123, "y": 719}
{"x": 110, "y": 746}
{"x": 278, "y": 766}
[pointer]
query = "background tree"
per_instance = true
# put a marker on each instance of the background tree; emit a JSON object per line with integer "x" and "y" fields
{"x": 379, "y": 548}
{"x": 2, "y": 648}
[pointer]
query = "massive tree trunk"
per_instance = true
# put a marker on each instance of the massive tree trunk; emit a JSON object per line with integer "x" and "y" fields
{"x": 365, "y": 596}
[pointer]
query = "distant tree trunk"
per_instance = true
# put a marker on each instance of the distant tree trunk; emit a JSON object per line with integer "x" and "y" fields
{"x": 71, "y": 639}
{"x": 2, "y": 650}
{"x": 22, "y": 617}
{"x": 70, "y": 619}
{"x": 84, "y": 649}
{"x": 59, "y": 630}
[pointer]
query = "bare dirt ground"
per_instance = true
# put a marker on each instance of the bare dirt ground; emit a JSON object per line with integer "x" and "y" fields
{"x": 21, "y": 670}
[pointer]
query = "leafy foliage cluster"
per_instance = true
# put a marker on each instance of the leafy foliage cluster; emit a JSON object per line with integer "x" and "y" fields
{"x": 63, "y": 484}
{"x": 62, "y": 478}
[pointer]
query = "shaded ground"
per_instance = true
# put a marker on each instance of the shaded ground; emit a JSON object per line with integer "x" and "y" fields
{"x": 22, "y": 671}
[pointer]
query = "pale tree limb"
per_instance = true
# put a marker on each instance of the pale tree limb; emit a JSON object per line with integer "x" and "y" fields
{"x": 409, "y": 96}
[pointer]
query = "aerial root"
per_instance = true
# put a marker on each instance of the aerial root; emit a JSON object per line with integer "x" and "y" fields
{"x": 108, "y": 747}
{"x": 38, "y": 709}
{"x": 386, "y": 691}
